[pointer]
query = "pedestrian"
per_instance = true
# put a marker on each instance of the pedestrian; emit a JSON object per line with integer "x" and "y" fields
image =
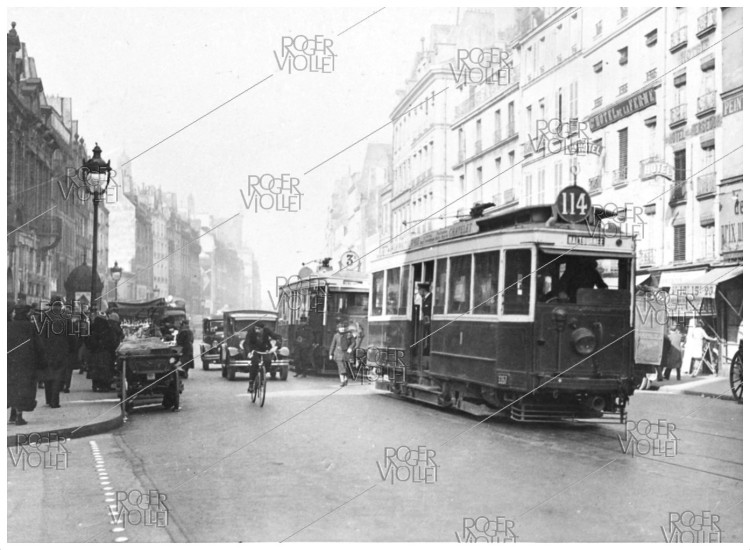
{"x": 673, "y": 352}
{"x": 185, "y": 340}
{"x": 302, "y": 355}
{"x": 342, "y": 345}
{"x": 59, "y": 344}
{"x": 101, "y": 345}
{"x": 425, "y": 315}
{"x": 694, "y": 346}
{"x": 25, "y": 360}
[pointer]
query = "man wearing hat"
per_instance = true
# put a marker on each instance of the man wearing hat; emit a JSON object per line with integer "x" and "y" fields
{"x": 425, "y": 314}
{"x": 261, "y": 339}
{"x": 25, "y": 360}
{"x": 341, "y": 349}
{"x": 185, "y": 340}
{"x": 59, "y": 344}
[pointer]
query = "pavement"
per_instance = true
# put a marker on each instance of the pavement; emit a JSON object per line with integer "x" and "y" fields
{"x": 716, "y": 387}
{"x": 82, "y": 413}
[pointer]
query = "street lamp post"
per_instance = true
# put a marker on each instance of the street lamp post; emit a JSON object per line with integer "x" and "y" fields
{"x": 94, "y": 173}
{"x": 116, "y": 273}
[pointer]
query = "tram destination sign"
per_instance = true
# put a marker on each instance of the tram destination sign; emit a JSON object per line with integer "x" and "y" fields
{"x": 585, "y": 241}
{"x": 459, "y": 229}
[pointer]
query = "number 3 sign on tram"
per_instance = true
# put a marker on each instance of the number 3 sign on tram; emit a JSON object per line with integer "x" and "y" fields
{"x": 573, "y": 204}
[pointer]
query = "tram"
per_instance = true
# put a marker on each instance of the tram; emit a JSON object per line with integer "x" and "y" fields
{"x": 492, "y": 316}
{"x": 312, "y": 306}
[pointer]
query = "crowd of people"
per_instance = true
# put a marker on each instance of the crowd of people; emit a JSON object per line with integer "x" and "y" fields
{"x": 46, "y": 346}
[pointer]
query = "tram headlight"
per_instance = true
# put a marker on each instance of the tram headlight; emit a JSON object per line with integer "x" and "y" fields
{"x": 172, "y": 360}
{"x": 584, "y": 341}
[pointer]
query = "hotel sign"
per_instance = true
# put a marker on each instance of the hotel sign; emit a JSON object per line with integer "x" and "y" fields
{"x": 732, "y": 106}
{"x": 623, "y": 109}
{"x": 451, "y": 232}
{"x": 706, "y": 125}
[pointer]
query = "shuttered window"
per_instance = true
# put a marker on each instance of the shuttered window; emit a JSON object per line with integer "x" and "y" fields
{"x": 573, "y": 100}
{"x": 679, "y": 165}
{"x": 679, "y": 243}
{"x": 623, "y": 165}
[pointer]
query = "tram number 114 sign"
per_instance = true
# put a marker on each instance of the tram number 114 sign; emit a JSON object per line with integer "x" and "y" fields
{"x": 573, "y": 204}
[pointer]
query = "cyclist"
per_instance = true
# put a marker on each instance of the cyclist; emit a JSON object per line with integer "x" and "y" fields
{"x": 262, "y": 340}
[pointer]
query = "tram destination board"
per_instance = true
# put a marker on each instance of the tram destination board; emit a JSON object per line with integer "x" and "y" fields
{"x": 585, "y": 241}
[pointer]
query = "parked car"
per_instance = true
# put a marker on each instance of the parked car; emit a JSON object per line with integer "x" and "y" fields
{"x": 213, "y": 334}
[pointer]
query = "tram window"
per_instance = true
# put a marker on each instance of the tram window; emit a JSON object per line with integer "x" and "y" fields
{"x": 441, "y": 283}
{"x": 404, "y": 295}
{"x": 392, "y": 291}
{"x": 486, "y": 266}
{"x": 377, "y": 293}
{"x": 460, "y": 284}
{"x": 517, "y": 282}
{"x": 561, "y": 276}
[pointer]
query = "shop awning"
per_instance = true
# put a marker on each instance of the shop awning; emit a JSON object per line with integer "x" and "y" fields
{"x": 703, "y": 284}
{"x": 672, "y": 279}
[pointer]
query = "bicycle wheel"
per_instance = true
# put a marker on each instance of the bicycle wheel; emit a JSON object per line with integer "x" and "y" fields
{"x": 262, "y": 386}
{"x": 735, "y": 376}
{"x": 254, "y": 393}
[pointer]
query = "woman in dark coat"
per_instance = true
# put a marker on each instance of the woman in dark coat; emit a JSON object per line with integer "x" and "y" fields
{"x": 25, "y": 360}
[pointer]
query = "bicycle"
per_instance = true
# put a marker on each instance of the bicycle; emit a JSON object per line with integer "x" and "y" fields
{"x": 735, "y": 375}
{"x": 259, "y": 384}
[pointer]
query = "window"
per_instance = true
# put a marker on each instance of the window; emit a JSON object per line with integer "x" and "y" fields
{"x": 461, "y": 144}
{"x": 498, "y": 160}
{"x": 529, "y": 119}
{"x": 598, "y": 67}
{"x": 573, "y": 100}
{"x": 598, "y": 28}
{"x": 479, "y": 177}
{"x": 392, "y": 291}
{"x": 559, "y": 104}
{"x": 377, "y": 293}
{"x": 622, "y": 136}
{"x": 486, "y": 266}
{"x": 679, "y": 165}
{"x": 462, "y": 184}
{"x": 558, "y": 177}
{"x": 679, "y": 243}
{"x": 511, "y": 119}
{"x": 623, "y": 56}
{"x": 527, "y": 188}
{"x": 498, "y": 126}
{"x": 623, "y": 13}
{"x": 651, "y": 38}
{"x": 540, "y": 188}
{"x": 460, "y": 283}
{"x": 441, "y": 284}
{"x": 517, "y": 283}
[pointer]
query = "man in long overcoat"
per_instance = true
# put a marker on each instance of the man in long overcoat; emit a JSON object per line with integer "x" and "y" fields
{"x": 25, "y": 361}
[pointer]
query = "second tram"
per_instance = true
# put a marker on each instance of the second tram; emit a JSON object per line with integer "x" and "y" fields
{"x": 311, "y": 308}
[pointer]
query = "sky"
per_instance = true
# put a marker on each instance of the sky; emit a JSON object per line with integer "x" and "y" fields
{"x": 138, "y": 75}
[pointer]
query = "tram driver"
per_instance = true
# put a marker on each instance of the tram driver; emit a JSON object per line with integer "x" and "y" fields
{"x": 579, "y": 273}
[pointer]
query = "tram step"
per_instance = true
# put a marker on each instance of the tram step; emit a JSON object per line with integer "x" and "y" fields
{"x": 422, "y": 387}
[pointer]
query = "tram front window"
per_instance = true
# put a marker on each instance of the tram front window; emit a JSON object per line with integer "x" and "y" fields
{"x": 349, "y": 303}
{"x": 561, "y": 277}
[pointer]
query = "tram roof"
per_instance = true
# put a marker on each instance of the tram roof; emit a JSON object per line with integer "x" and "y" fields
{"x": 540, "y": 218}
{"x": 339, "y": 280}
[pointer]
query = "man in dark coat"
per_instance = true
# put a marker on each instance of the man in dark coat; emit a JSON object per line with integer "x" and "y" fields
{"x": 261, "y": 339}
{"x": 56, "y": 332}
{"x": 102, "y": 343}
{"x": 185, "y": 340}
{"x": 25, "y": 360}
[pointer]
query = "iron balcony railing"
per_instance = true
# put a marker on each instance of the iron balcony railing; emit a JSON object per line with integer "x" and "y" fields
{"x": 707, "y": 102}
{"x": 679, "y": 38}
{"x": 678, "y": 114}
{"x": 706, "y": 184}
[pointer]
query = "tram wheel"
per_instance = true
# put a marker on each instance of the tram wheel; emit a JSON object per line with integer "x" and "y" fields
{"x": 735, "y": 376}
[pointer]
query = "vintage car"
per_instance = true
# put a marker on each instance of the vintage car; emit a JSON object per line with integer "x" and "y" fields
{"x": 213, "y": 334}
{"x": 147, "y": 359}
{"x": 232, "y": 355}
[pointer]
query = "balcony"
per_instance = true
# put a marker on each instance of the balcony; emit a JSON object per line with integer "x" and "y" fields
{"x": 595, "y": 184}
{"x": 509, "y": 196}
{"x": 706, "y": 185}
{"x": 650, "y": 75}
{"x": 477, "y": 146}
{"x": 678, "y": 194}
{"x": 528, "y": 149}
{"x": 679, "y": 39}
{"x": 619, "y": 176}
{"x": 706, "y": 104}
{"x": 706, "y": 24}
{"x": 678, "y": 115}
